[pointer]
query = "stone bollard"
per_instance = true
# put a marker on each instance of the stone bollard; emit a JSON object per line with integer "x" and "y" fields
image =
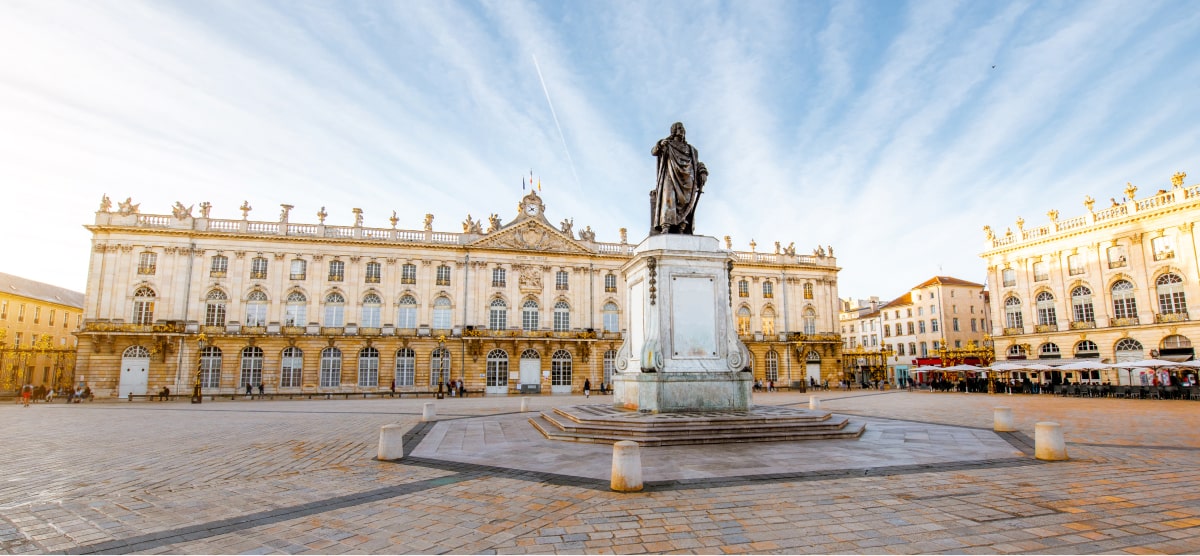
{"x": 428, "y": 414}
{"x": 391, "y": 442}
{"x": 524, "y": 404}
{"x": 814, "y": 403}
{"x": 1003, "y": 420}
{"x": 1048, "y": 442}
{"x": 626, "y": 467}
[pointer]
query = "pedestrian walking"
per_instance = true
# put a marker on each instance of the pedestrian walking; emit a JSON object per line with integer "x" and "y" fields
{"x": 587, "y": 388}
{"x": 26, "y": 394}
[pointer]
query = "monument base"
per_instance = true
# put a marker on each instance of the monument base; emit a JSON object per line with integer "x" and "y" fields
{"x": 678, "y": 392}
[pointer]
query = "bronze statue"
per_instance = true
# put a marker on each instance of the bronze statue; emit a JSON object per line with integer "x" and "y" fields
{"x": 680, "y": 181}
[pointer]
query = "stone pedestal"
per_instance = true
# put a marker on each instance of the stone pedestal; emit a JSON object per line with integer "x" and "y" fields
{"x": 681, "y": 352}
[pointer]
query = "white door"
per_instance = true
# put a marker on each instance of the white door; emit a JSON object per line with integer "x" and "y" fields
{"x": 813, "y": 367}
{"x": 531, "y": 367}
{"x": 497, "y": 373}
{"x": 135, "y": 371}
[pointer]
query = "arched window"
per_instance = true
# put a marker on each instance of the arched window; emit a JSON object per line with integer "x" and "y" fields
{"x": 562, "y": 317}
{"x": 406, "y": 313}
{"x": 296, "y": 310}
{"x": 368, "y": 367}
{"x": 768, "y": 321}
{"x": 1175, "y": 341}
{"x": 335, "y": 306}
{"x": 497, "y": 368}
{"x": 612, "y": 317}
{"x": 256, "y": 308}
{"x": 214, "y": 308}
{"x": 1171, "y": 299}
{"x": 1081, "y": 305}
{"x": 143, "y": 306}
{"x": 372, "y": 309}
{"x": 331, "y": 367}
{"x": 772, "y": 365}
{"x": 1086, "y": 349}
{"x": 135, "y": 352}
{"x": 442, "y": 319}
{"x": 808, "y": 291}
{"x": 610, "y": 365}
{"x": 291, "y": 367}
{"x": 498, "y": 314}
{"x": 1124, "y": 304}
{"x": 1045, "y": 309}
{"x": 529, "y": 315}
{"x": 1128, "y": 349}
{"x": 252, "y": 367}
{"x": 210, "y": 367}
{"x": 810, "y": 322}
{"x": 1016, "y": 352}
{"x": 406, "y": 367}
{"x": 743, "y": 321}
{"x": 439, "y": 366}
{"x": 1012, "y": 313}
{"x": 1049, "y": 351}
{"x": 560, "y": 368}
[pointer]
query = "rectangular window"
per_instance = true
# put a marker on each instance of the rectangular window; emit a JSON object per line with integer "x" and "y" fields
{"x": 933, "y": 325}
{"x": 21, "y": 313}
{"x": 408, "y": 274}
{"x": 973, "y": 326}
{"x": 910, "y": 329}
{"x": 299, "y": 269}
{"x": 1009, "y": 277}
{"x": 499, "y": 278}
{"x": 610, "y": 283}
{"x": 1040, "y": 271}
{"x": 258, "y": 268}
{"x": 37, "y": 314}
{"x": 954, "y": 324}
{"x": 1074, "y": 265}
{"x": 443, "y": 275}
{"x": 4, "y": 309}
{"x": 337, "y": 271}
{"x": 1164, "y": 248}
{"x": 374, "y": 273}
{"x": 219, "y": 267}
{"x": 1116, "y": 256}
{"x": 921, "y": 326}
{"x": 51, "y": 321}
{"x": 17, "y": 340}
{"x": 146, "y": 263}
{"x": 561, "y": 280}
{"x": 743, "y": 288}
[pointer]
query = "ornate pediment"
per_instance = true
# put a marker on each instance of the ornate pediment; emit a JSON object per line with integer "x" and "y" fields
{"x": 530, "y": 234}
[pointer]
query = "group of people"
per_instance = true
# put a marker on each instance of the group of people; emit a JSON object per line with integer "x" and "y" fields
{"x": 31, "y": 394}
{"x": 759, "y": 387}
{"x": 455, "y": 387}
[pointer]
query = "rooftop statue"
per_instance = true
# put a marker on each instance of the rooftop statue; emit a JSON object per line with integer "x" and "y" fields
{"x": 680, "y": 181}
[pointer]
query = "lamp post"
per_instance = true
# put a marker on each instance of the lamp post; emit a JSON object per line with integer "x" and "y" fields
{"x": 443, "y": 365}
{"x": 202, "y": 342}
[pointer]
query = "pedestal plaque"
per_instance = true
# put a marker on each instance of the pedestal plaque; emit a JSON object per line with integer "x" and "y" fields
{"x": 681, "y": 352}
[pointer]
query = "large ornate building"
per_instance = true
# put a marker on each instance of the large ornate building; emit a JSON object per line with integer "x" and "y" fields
{"x": 37, "y": 321}
{"x": 1112, "y": 284}
{"x": 521, "y": 306}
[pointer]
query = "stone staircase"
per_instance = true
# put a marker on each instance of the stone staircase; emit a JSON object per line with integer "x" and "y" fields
{"x": 607, "y": 424}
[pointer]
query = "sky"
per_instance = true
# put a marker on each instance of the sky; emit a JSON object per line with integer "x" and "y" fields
{"x": 890, "y": 131}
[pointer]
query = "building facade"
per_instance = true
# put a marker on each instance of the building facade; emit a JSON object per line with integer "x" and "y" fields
{"x": 1112, "y": 284}
{"x": 37, "y": 326}
{"x": 942, "y": 321}
{"x": 521, "y": 306}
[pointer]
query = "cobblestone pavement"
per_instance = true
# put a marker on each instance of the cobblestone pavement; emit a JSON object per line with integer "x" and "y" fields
{"x": 298, "y": 477}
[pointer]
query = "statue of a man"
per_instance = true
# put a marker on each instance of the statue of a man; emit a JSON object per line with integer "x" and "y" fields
{"x": 681, "y": 178}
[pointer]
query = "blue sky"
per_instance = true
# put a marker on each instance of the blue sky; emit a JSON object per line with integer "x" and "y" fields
{"x": 891, "y": 131}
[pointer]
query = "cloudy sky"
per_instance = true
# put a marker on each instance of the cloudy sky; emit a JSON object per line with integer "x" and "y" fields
{"x": 891, "y": 131}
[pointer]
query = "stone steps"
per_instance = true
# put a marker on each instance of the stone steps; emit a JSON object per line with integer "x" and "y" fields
{"x": 606, "y": 425}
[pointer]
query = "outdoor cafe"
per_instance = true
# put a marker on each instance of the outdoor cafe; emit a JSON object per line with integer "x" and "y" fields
{"x": 1143, "y": 379}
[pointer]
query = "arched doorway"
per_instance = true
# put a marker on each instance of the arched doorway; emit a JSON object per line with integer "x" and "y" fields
{"x": 812, "y": 368}
{"x": 531, "y": 371}
{"x": 497, "y": 372}
{"x": 135, "y": 371}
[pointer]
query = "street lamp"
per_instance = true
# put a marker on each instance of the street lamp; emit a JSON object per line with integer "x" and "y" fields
{"x": 443, "y": 365}
{"x": 202, "y": 341}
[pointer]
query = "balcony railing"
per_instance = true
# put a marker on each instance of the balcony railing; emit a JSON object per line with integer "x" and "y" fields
{"x": 1127, "y": 321}
{"x": 146, "y": 270}
{"x": 1014, "y": 331}
{"x": 254, "y": 330}
{"x": 372, "y": 279}
{"x": 1046, "y": 328}
{"x": 293, "y": 330}
{"x": 1082, "y": 324}
{"x": 258, "y": 275}
{"x": 1117, "y": 263}
{"x": 336, "y": 277}
{"x": 1170, "y": 317}
{"x": 610, "y": 289}
{"x": 296, "y": 276}
{"x": 216, "y": 273}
